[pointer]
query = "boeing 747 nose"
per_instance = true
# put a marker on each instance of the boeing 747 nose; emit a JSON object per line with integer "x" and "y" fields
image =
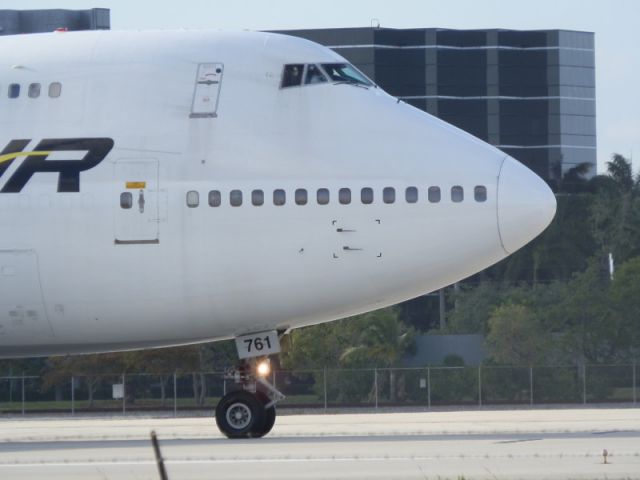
{"x": 526, "y": 205}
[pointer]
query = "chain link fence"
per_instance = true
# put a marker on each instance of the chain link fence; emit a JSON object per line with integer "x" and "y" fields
{"x": 327, "y": 388}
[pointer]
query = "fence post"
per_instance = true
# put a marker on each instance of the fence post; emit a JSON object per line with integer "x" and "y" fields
{"x": 635, "y": 394}
{"x": 324, "y": 382}
{"x": 175, "y": 394}
{"x": 23, "y": 393}
{"x": 375, "y": 384}
{"x": 124, "y": 397}
{"x": 73, "y": 395}
{"x": 480, "y": 385}
{"x": 429, "y": 387}
{"x": 584, "y": 384}
{"x": 531, "y": 385}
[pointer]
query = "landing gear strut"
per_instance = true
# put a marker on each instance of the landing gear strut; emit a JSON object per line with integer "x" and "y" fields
{"x": 249, "y": 410}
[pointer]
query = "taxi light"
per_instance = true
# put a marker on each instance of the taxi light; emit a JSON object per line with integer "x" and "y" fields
{"x": 264, "y": 368}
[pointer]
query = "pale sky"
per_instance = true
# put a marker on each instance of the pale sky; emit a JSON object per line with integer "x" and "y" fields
{"x": 616, "y": 24}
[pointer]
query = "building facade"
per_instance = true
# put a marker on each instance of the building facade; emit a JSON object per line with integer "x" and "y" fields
{"x": 13, "y": 22}
{"x": 529, "y": 93}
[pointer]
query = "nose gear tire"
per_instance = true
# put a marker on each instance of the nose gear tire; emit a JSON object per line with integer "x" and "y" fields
{"x": 241, "y": 414}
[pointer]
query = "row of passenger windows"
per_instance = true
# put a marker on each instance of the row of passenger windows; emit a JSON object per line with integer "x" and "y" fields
{"x": 34, "y": 90}
{"x": 323, "y": 196}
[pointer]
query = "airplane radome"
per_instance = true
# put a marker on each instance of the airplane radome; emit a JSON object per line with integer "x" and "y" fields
{"x": 165, "y": 188}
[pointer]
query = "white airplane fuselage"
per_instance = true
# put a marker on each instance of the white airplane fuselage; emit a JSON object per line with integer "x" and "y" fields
{"x": 80, "y": 273}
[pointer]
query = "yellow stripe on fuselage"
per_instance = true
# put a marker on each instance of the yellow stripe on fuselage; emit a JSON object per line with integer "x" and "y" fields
{"x": 12, "y": 156}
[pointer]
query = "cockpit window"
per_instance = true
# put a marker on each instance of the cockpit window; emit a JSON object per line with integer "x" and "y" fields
{"x": 292, "y": 75}
{"x": 345, "y": 73}
{"x": 314, "y": 75}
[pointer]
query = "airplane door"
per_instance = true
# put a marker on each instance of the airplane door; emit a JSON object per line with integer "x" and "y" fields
{"x": 137, "y": 204}
{"x": 207, "y": 90}
{"x": 22, "y": 311}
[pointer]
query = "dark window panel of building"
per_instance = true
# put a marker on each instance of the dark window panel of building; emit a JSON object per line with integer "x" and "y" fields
{"x": 41, "y": 21}
{"x": 522, "y": 39}
{"x": 404, "y": 38}
{"x": 457, "y": 58}
{"x": 461, "y": 38}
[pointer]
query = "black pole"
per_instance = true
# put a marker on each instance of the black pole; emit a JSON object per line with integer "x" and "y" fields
{"x": 159, "y": 459}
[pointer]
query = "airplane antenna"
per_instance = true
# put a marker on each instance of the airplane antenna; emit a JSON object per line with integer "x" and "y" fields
{"x": 375, "y": 23}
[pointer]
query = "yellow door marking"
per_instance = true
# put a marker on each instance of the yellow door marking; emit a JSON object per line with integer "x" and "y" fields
{"x": 12, "y": 156}
{"x": 136, "y": 185}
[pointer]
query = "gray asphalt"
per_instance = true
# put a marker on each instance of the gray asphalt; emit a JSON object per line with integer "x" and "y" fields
{"x": 349, "y": 447}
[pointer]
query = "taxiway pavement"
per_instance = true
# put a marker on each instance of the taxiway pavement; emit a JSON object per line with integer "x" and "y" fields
{"x": 478, "y": 444}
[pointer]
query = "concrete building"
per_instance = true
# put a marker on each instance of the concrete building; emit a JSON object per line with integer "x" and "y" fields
{"x": 13, "y": 22}
{"x": 530, "y": 93}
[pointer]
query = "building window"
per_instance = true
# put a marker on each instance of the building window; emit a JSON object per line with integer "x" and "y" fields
{"x": 323, "y": 196}
{"x": 389, "y": 195}
{"x": 480, "y": 193}
{"x": 457, "y": 194}
{"x": 55, "y": 89}
{"x": 344, "y": 196}
{"x": 14, "y": 90}
{"x": 126, "y": 200}
{"x": 366, "y": 195}
{"x": 193, "y": 199}
{"x": 434, "y": 194}
{"x": 411, "y": 194}
{"x": 257, "y": 197}
{"x": 215, "y": 199}
{"x": 235, "y": 198}
{"x": 279, "y": 197}
{"x": 34, "y": 90}
{"x": 292, "y": 75}
{"x": 301, "y": 196}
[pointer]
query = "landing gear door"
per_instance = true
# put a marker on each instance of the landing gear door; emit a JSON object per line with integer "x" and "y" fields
{"x": 136, "y": 202}
{"x": 207, "y": 90}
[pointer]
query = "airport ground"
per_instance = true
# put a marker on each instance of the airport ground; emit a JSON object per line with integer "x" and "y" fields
{"x": 441, "y": 444}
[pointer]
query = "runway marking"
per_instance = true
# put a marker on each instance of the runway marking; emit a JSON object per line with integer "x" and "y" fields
{"x": 520, "y": 440}
{"x": 211, "y": 461}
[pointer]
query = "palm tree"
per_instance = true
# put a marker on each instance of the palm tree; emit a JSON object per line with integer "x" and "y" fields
{"x": 382, "y": 341}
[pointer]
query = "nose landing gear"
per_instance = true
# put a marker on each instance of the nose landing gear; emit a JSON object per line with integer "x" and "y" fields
{"x": 249, "y": 410}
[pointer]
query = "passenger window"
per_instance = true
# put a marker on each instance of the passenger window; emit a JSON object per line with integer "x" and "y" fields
{"x": 389, "y": 195}
{"x": 55, "y": 89}
{"x": 292, "y": 75}
{"x": 411, "y": 194}
{"x": 480, "y": 193}
{"x": 34, "y": 90}
{"x": 215, "y": 199}
{"x": 126, "y": 200}
{"x": 279, "y": 197}
{"x": 434, "y": 194}
{"x": 344, "y": 196}
{"x": 314, "y": 75}
{"x": 301, "y": 196}
{"x": 257, "y": 197}
{"x": 235, "y": 198}
{"x": 14, "y": 90}
{"x": 323, "y": 196}
{"x": 366, "y": 195}
{"x": 457, "y": 194}
{"x": 193, "y": 199}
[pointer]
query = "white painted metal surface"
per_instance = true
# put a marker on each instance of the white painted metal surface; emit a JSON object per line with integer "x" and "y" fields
{"x": 207, "y": 273}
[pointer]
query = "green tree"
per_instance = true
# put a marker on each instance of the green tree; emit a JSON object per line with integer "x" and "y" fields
{"x": 625, "y": 298}
{"x": 517, "y": 336}
{"x": 616, "y": 211}
{"x": 92, "y": 369}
